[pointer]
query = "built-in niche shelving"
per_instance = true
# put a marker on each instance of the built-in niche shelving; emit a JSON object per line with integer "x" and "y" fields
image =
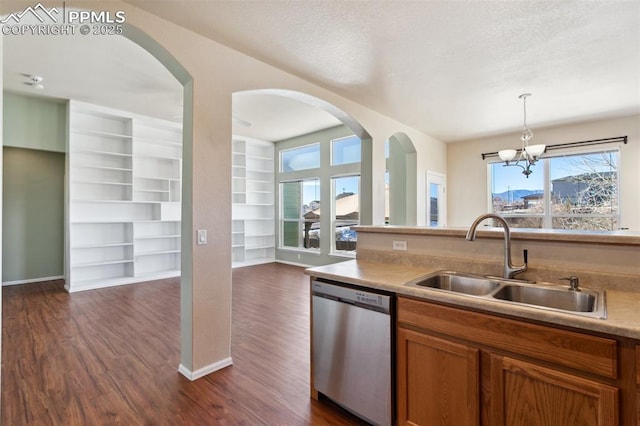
{"x": 123, "y": 197}
{"x": 252, "y": 231}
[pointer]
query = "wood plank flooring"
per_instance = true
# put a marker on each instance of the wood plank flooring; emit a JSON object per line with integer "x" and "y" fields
{"x": 110, "y": 356}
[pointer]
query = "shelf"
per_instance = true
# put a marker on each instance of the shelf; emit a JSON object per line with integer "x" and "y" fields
{"x": 94, "y": 152}
{"x": 157, "y": 178}
{"x": 259, "y": 157}
{"x": 159, "y": 141}
{"x": 89, "y": 246}
{"x": 87, "y": 166}
{"x": 259, "y": 181}
{"x": 154, "y": 253}
{"x": 100, "y": 133}
{"x": 270, "y": 246}
{"x": 102, "y": 183}
{"x": 102, "y": 263}
{"x": 97, "y": 222}
{"x": 156, "y": 221}
{"x": 158, "y": 157}
{"x": 163, "y": 273}
{"x": 163, "y": 191}
{"x": 158, "y": 237}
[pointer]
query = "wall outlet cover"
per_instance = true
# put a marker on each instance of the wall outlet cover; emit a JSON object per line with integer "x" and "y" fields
{"x": 400, "y": 245}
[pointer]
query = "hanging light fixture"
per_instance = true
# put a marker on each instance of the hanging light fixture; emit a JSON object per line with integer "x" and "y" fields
{"x": 528, "y": 154}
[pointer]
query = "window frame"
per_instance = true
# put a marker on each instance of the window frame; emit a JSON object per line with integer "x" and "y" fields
{"x": 300, "y": 220}
{"x": 333, "y": 228}
{"x": 281, "y": 153}
{"x": 332, "y": 143}
{"x": 547, "y": 214}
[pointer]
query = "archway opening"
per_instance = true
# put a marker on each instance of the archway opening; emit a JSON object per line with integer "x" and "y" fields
{"x": 400, "y": 181}
{"x": 319, "y": 155}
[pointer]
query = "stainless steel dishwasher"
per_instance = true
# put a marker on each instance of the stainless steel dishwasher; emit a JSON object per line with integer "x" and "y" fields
{"x": 352, "y": 349}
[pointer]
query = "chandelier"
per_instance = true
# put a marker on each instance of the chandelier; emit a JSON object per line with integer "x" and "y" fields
{"x": 528, "y": 154}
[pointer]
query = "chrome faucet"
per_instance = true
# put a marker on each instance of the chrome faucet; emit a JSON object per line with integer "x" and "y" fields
{"x": 509, "y": 270}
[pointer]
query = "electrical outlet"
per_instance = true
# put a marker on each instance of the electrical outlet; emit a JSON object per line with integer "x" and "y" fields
{"x": 400, "y": 245}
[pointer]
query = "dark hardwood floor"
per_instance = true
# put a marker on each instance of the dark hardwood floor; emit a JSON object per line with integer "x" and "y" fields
{"x": 110, "y": 356}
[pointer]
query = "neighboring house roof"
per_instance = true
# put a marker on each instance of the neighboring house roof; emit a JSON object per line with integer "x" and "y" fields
{"x": 347, "y": 207}
{"x": 537, "y": 196}
{"x": 585, "y": 177}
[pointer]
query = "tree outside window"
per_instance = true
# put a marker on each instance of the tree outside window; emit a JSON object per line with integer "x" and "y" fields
{"x": 578, "y": 191}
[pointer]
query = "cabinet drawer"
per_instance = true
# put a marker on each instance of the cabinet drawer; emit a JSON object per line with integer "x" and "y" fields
{"x": 580, "y": 351}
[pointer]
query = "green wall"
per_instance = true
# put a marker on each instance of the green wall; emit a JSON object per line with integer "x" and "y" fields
{"x": 33, "y": 167}
{"x": 35, "y": 123}
{"x": 33, "y": 214}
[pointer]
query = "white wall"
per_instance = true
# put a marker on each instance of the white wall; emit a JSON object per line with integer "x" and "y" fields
{"x": 467, "y": 171}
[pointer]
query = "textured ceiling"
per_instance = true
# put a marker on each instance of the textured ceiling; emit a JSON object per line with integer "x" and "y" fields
{"x": 453, "y": 69}
{"x": 110, "y": 71}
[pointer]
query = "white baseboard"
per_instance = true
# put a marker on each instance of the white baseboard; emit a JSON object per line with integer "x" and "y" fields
{"x": 201, "y": 372}
{"x": 286, "y": 262}
{"x": 33, "y": 280}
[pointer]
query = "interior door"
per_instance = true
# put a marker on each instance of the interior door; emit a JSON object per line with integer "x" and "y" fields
{"x": 436, "y": 201}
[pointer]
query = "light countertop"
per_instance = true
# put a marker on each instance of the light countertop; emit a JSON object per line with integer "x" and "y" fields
{"x": 625, "y": 238}
{"x": 623, "y": 307}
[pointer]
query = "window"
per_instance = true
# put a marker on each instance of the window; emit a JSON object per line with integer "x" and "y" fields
{"x": 346, "y": 211}
{"x": 302, "y": 158}
{"x": 345, "y": 150}
{"x": 577, "y": 191}
{"x": 333, "y": 164}
{"x": 300, "y": 214}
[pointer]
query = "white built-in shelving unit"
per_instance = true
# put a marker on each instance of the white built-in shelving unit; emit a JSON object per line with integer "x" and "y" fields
{"x": 253, "y": 237}
{"x": 123, "y": 197}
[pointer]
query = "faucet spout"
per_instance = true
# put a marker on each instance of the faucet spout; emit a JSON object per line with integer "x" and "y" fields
{"x": 509, "y": 270}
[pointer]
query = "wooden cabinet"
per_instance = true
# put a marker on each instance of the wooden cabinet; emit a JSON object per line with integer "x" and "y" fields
{"x": 442, "y": 386}
{"x": 638, "y": 384}
{"x": 460, "y": 367}
{"x": 526, "y": 393}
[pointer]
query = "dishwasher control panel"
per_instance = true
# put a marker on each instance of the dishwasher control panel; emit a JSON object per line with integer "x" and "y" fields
{"x": 354, "y": 296}
{"x": 369, "y": 298}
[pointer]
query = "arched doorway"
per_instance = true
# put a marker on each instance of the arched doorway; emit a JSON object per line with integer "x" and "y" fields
{"x": 297, "y": 122}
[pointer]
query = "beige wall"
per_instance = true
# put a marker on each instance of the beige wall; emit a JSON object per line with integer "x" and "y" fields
{"x": 217, "y": 73}
{"x": 467, "y": 171}
{"x": 598, "y": 264}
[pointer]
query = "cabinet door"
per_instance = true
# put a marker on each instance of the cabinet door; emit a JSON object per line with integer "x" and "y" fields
{"x": 527, "y": 394}
{"x": 638, "y": 384}
{"x": 438, "y": 381}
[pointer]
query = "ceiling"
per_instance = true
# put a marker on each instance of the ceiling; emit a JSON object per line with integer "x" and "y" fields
{"x": 453, "y": 69}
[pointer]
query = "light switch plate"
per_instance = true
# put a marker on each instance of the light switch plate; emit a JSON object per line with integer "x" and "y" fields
{"x": 201, "y": 237}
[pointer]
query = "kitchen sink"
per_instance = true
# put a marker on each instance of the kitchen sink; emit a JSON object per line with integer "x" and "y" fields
{"x": 542, "y": 295}
{"x": 459, "y": 283}
{"x": 555, "y": 298}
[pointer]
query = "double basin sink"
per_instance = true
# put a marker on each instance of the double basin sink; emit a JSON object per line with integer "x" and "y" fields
{"x": 539, "y": 295}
